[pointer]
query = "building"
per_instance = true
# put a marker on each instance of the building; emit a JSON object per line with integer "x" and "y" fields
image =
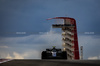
{"x": 69, "y": 36}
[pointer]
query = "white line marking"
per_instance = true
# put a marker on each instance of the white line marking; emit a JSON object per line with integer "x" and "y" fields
{"x": 6, "y": 61}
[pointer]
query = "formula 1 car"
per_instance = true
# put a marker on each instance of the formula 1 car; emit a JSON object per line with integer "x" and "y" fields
{"x": 54, "y": 54}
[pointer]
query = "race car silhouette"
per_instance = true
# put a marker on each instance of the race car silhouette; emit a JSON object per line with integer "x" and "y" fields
{"x": 54, "y": 54}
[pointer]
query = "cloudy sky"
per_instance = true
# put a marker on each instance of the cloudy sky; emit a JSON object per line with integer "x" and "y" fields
{"x": 25, "y": 32}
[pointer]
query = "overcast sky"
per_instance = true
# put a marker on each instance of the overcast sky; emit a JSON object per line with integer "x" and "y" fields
{"x": 25, "y": 32}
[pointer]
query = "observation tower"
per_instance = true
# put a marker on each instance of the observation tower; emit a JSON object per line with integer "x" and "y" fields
{"x": 69, "y": 36}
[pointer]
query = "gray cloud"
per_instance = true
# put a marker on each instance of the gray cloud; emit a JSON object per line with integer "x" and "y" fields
{"x": 30, "y": 47}
{"x": 30, "y": 16}
{"x": 90, "y": 45}
{"x": 19, "y": 15}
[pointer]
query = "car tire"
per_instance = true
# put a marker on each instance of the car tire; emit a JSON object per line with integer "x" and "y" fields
{"x": 43, "y": 55}
{"x": 64, "y": 55}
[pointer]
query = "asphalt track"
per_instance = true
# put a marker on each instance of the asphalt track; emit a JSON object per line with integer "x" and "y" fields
{"x": 31, "y": 62}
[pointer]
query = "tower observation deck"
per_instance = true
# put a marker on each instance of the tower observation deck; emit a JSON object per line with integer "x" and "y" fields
{"x": 69, "y": 36}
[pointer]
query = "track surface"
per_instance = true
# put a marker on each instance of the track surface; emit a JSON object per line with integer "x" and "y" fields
{"x": 51, "y": 63}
